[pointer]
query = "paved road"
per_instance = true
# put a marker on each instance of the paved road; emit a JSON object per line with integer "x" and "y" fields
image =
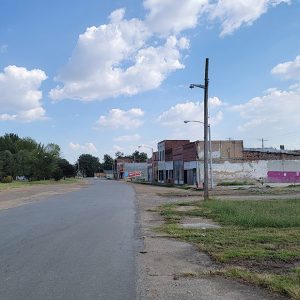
{"x": 80, "y": 245}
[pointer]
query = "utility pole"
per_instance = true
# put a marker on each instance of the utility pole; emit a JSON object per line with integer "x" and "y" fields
{"x": 262, "y": 142}
{"x": 206, "y": 80}
{"x": 205, "y": 87}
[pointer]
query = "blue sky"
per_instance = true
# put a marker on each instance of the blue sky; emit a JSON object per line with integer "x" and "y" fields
{"x": 98, "y": 77}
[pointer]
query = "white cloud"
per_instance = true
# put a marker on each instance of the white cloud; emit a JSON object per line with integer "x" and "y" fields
{"x": 276, "y": 110}
{"x": 173, "y": 16}
{"x": 127, "y": 57}
{"x": 127, "y": 138}
{"x": 234, "y": 14}
{"x": 288, "y": 70}
{"x": 118, "y": 148}
{"x": 87, "y": 147}
{"x": 117, "y": 59}
{"x": 190, "y": 111}
{"x": 20, "y": 94}
{"x": 118, "y": 118}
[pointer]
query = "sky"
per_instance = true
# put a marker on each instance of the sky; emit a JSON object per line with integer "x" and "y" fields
{"x": 101, "y": 76}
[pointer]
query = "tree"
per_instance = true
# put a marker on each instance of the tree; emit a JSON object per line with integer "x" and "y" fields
{"x": 7, "y": 164}
{"x": 108, "y": 162}
{"x": 139, "y": 156}
{"x": 88, "y": 165}
{"x": 26, "y": 157}
{"x": 67, "y": 169}
{"x": 24, "y": 163}
{"x": 119, "y": 154}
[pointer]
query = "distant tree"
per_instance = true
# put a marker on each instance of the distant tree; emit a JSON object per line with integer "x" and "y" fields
{"x": 9, "y": 142}
{"x": 139, "y": 156}
{"x": 57, "y": 174}
{"x": 24, "y": 160}
{"x": 67, "y": 169}
{"x": 7, "y": 164}
{"x": 26, "y": 157}
{"x": 107, "y": 162}
{"x": 119, "y": 154}
{"x": 88, "y": 164}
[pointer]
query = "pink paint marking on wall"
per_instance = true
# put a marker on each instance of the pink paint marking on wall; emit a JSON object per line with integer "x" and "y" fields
{"x": 279, "y": 176}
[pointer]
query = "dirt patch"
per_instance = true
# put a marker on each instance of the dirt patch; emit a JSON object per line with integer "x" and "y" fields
{"x": 194, "y": 220}
{"x": 162, "y": 259}
{"x": 276, "y": 266}
{"x": 24, "y": 195}
{"x": 185, "y": 208}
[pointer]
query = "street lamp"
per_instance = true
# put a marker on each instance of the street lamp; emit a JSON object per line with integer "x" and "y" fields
{"x": 210, "y": 150}
{"x": 205, "y": 87}
{"x": 152, "y": 159}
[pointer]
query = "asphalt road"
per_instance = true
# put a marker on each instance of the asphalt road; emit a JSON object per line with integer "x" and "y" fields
{"x": 80, "y": 245}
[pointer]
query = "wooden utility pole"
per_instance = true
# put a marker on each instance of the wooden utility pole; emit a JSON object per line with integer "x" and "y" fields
{"x": 205, "y": 87}
{"x": 206, "y": 81}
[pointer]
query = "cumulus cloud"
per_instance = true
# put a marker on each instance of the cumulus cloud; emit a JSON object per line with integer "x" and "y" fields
{"x": 118, "y": 148}
{"x": 128, "y": 56}
{"x": 234, "y": 14}
{"x": 127, "y": 138}
{"x": 20, "y": 94}
{"x": 87, "y": 147}
{"x": 173, "y": 16}
{"x": 191, "y": 111}
{"x": 288, "y": 70}
{"x": 275, "y": 110}
{"x": 118, "y": 118}
{"x": 117, "y": 59}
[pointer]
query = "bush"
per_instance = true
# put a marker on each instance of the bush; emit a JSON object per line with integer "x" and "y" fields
{"x": 57, "y": 174}
{"x": 7, "y": 179}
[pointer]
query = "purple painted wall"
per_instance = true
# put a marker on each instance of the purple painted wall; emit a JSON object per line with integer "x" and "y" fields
{"x": 278, "y": 176}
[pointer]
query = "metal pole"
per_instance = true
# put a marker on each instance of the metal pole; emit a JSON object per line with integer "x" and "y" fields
{"x": 210, "y": 154}
{"x": 206, "y": 195}
{"x": 152, "y": 160}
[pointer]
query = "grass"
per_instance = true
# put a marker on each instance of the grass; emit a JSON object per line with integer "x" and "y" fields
{"x": 250, "y": 214}
{"x": 234, "y": 183}
{"x": 259, "y": 240}
{"x": 20, "y": 184}
{"x": 287, "y": 284}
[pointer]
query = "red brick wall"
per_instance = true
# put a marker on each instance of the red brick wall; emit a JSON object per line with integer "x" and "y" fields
{"x": 190, "y": 152}
{"x": 258, "y": 155}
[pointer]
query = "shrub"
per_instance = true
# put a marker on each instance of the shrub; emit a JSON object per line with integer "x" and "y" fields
{"x": 7, "y": 179}
{"x": 57, "y": 174}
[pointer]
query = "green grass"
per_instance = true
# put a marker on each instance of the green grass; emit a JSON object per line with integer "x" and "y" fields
{"x": 234, "y": 183}
{"x": 261, "y": 237}
{"x": 287, "y": 284}
{"x": 231, "y": 244}
{"x": 250, "y": 214}
{"x": 20, "y": 184}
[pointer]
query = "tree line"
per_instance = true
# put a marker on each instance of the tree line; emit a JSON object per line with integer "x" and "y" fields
{"x": 88, "y": 164}
{"x": 28, "y": 159}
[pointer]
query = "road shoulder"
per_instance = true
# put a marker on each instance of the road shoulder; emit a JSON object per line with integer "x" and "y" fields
{"x": 24, "y": 195}
{"x": 162, "y": 260}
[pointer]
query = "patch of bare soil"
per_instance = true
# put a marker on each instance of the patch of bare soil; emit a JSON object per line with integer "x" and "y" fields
{"x": 185, "y": 208}
{"x": 24, "y": 195}
{"x": 163, "y": 259}
{"x": 275, "y": 266}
